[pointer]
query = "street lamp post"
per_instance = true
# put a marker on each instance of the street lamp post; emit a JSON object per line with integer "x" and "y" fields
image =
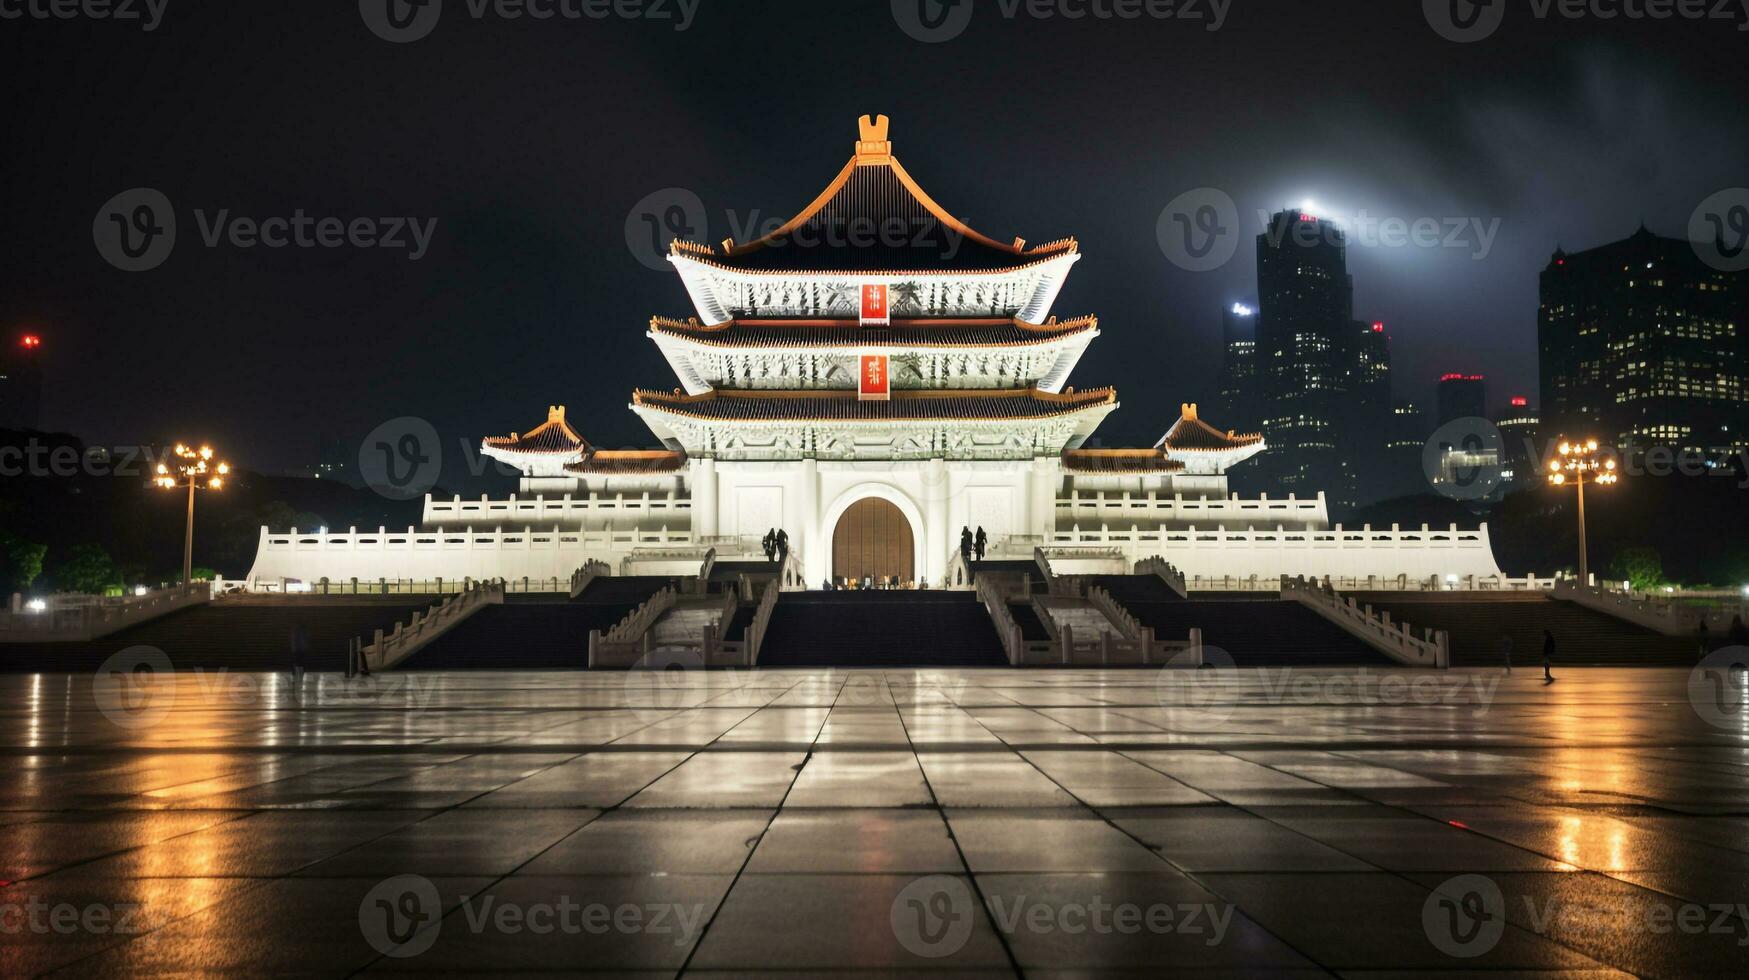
{"x": 195, "y": 470}
{"x": 1579, "y": 463}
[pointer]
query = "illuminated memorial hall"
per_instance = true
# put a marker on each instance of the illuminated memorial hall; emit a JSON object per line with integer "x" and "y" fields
{"x": 872, "y": 395}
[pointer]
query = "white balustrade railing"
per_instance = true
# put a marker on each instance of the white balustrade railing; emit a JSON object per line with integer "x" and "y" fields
{"x": 70, "y": 617}
{"x": 1671, "y": 613}
{"x": 1205, "y": 511}
{"x": 629, "y": 638}
{"x": 1395, "y": 640}
{"x": 567, "y": 509}
{"x": 385, "y": 652}
{"x": 1166, "y": 571}
{"x": 588, "y": 572}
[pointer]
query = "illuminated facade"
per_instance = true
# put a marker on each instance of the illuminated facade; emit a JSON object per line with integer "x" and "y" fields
{"x": 871, "y": 378}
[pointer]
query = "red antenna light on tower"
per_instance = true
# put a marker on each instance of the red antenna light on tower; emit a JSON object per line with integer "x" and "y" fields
{"x": 30, "y": 341}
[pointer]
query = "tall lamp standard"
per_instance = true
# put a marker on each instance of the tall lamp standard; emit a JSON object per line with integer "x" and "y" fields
{"x": 1579, "y": 463}
{"x": 194, "y": 469}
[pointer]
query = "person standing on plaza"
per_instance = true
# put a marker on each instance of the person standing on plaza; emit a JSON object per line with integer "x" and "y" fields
{"x": 1506, "y": 651}
{"x": 1548, "y": 655}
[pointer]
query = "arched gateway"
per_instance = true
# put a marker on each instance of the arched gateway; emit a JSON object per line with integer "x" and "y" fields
{"x": 873, "y": 540}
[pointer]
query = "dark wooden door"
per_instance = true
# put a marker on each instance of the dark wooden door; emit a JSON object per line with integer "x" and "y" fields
{"x": 873, "y": 541}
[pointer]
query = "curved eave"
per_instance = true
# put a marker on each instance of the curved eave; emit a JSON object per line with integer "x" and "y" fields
{"x": 712, "y": 262}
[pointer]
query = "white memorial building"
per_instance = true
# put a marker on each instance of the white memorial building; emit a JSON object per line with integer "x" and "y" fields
{"x": 872, "y": 378}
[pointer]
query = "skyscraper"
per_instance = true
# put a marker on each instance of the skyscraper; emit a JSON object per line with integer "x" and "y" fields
{"x": 1643, "y": 344}
{"x": 1462, "y": 396}
{"x": 1240, "y": 402}
{"x": 21, "y": 384}
{"x": 1305, "y": 342}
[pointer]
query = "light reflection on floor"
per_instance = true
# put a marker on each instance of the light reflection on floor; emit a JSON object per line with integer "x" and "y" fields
{"x": 790, "y": 815}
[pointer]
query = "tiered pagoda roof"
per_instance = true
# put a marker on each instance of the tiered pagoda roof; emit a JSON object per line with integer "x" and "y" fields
{"x": 1190, "y": 433}
{"x": 902, "y": 332}
{"x": 1121, "y": 461}
{"x": 905, "y": 405}
{"x": 624, "y": 462}
{"x": 874, "y": 217}
{"x": 552, "y": 437}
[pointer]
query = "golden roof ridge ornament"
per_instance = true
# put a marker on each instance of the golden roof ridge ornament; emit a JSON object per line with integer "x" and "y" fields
{"x": 873, "y": 148}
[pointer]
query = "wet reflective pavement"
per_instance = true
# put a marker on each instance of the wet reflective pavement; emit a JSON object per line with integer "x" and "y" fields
{"x": 1310, "y": 822}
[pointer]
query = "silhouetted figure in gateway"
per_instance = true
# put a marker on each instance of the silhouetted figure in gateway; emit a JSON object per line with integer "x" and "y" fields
{"x": 966, "y": 544}
{"x": 780, "y": 545}
{"x": 981, "y": 542}
{"x": 769, "y": 544}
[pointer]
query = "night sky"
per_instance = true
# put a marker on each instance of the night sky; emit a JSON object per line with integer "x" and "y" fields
{"x": 531, "y": 141}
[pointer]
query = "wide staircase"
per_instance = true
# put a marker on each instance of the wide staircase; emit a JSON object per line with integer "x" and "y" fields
{"x": 1135, "y": 588}
{"x": 881, "y": 629}
{"x": 1478, "y": 621}
{"x": 538, "y": 631}
{"x": 233, "y": 633}
{"x": 1256, "y": 632}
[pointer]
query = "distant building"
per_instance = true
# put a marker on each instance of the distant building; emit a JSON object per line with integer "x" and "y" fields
{"x": 1240, "y": 401}
{"x": 1519, "y": 424}
{"x": 1305, "y": 328}
{"x": 1462, "y": 396}
{"x": 1643, "y": 344}
{"x": 21, "y": 384}
{"x": 1406, "y": 433}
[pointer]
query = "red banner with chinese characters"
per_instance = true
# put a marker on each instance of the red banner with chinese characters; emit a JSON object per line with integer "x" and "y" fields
{"x": 874, "y": 383}
{"x": 874, "y": 305}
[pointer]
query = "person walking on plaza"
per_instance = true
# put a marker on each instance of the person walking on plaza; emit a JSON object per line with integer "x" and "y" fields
{"x": 769, "y": 544}
{"x": 780, "y": 545}
{"x": 1703, "y": 638}
{"x": 1506, "y": 651}
{"x": 966, "y": 544}
{"x": 981, "y": 542}
{"x": 1548, "y": 655}
{"x": 1738, "y": 636}
{"x": 300, "y": 648}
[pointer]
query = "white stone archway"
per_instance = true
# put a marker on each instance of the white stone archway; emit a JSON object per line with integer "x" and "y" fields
{"x": 819, "y": 559}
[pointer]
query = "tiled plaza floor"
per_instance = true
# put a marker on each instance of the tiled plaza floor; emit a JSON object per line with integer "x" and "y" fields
{"x": 1045, "y": 823}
